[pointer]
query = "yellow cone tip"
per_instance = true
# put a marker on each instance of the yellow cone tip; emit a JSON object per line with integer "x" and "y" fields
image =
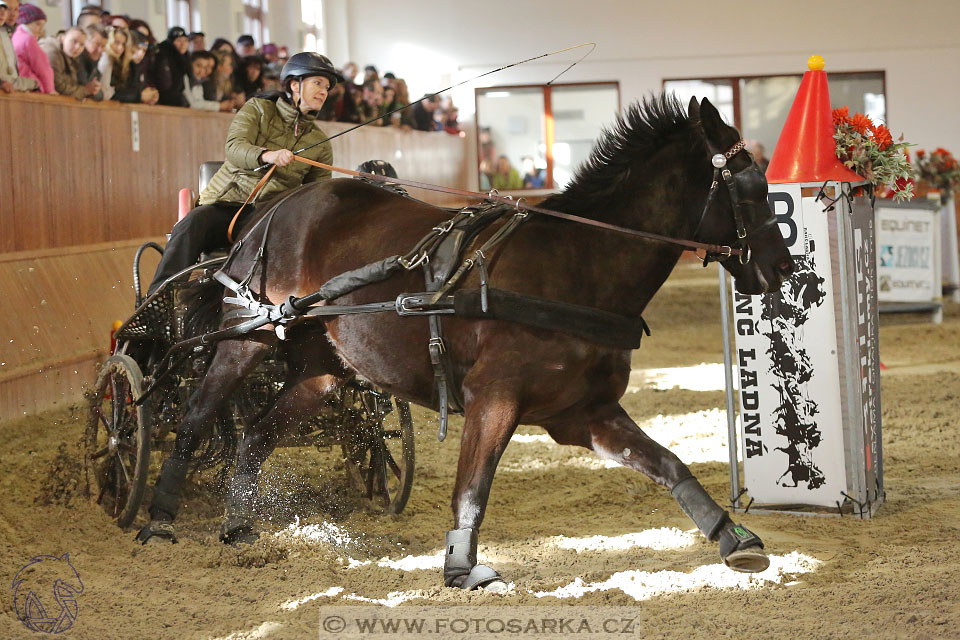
{"x": 117, "y": 324}
{"x": 815, "y": 63}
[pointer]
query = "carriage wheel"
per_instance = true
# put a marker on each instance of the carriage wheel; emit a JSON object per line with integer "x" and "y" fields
{"x": 378, "y": 452}
{"x": 117, "y": 441}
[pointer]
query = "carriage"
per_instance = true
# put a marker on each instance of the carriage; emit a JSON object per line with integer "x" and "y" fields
{"x": 144, "y": 387}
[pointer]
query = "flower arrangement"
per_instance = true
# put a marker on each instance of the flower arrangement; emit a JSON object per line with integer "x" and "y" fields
{"x": 940, "y": 169}
{"x": 869, "y": 150}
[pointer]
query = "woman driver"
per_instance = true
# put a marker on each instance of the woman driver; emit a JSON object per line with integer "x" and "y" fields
{"x": 264, "y": 131}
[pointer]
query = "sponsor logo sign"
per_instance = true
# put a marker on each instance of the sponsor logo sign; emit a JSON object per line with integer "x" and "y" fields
{"x": 905, "y": 255}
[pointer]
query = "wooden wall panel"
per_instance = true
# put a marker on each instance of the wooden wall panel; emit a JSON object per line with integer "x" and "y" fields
{"x": 71, "y": 176}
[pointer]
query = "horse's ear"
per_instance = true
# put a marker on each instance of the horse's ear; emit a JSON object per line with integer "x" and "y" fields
{"x": 693, "y": 110}
{"x": 711, "y": 118}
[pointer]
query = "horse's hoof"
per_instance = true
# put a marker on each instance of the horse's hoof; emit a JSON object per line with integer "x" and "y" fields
{"x": 155, "y": 530}
{"x": 750, "y": 560}
{"x": 238, "y": 535}
{"x": 497, "y": 586}
{"x": 742, "y": 550}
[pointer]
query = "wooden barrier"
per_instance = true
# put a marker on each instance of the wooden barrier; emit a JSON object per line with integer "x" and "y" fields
{"x": 76, "y": 199}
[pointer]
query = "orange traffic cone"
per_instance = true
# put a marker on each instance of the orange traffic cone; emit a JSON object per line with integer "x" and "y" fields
{"x": 806, "y": 150}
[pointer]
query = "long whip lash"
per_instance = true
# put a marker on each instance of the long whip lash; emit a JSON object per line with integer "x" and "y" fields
{"x": 592, "y": 46}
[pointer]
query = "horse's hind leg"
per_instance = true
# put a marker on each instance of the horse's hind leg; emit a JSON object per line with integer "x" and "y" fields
{"x": 612, "y": 434}
{"x": 234, "y": 359}
{"x": 313, "y": 371}
{"x": 301, "y": 399}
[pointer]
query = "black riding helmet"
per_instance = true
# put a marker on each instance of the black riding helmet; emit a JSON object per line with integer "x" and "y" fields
{"x": 378, "y": 168}
{"x": 306, "y": 64}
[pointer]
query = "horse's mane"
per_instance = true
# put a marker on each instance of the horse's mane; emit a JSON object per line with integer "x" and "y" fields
{"x": 643, "y": 128}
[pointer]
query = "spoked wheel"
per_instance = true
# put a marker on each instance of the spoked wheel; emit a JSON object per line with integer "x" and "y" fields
{"x": 378, "y": 450}
{"x": 117, "y": 441}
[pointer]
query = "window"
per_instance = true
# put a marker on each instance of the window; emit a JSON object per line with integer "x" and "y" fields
{"x": 758, "y": 105}
{"x": 533, "y": 137}
{"x": 311, "y": 14}
{"x": 178, "y": 14}
{"x": 254, "y": 12}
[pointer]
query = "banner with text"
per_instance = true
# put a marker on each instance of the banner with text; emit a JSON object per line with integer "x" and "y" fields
{"x": 908, "y": 252}
{"x": 789, "y": 380}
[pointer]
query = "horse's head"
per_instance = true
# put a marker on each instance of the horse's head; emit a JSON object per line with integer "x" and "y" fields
{"x": 737, "y": 213}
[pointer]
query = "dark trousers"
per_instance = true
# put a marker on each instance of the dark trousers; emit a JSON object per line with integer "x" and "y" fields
{"x": 201, "y": 231}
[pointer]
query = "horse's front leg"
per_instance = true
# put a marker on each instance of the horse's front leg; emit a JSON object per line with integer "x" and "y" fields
{"x": 490, "y": 418}
{"x": 612, "y": 434}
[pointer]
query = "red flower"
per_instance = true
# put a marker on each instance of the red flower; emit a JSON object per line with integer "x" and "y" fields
{"x": 860, "y": 123}
{"x": 921, "y": 154}
{"x": 841, "y": 116}
{"x": 901, "y": 184}
{"x": 881, "y": 135}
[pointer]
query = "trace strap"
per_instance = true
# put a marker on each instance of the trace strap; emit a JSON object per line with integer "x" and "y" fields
{"x": 688, "y": 245}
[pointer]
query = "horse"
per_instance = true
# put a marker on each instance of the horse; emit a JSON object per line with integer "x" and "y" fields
{"x": 651, "y": 171}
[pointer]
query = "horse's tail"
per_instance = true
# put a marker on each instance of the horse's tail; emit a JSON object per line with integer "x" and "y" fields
{"x": 203, "y": 305}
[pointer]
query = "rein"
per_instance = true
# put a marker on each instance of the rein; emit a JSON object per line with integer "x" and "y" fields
{"x": 521, "y": 206}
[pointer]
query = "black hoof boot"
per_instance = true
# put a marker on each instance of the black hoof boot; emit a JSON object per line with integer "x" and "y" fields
{"x": 460, "y": 568}
{"x": 240, "y": 517}
{"x": 741, "y": 549}
{"x": 165, "y": 503}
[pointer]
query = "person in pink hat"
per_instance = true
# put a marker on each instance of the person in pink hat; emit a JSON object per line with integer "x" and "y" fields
{"x": 31, "y": 60}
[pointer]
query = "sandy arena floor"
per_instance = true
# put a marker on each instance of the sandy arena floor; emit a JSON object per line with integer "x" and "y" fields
{"x": 562, "y": 526}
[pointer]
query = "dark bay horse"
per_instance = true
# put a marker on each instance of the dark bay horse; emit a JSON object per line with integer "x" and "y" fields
{"x": 651, "y": 172}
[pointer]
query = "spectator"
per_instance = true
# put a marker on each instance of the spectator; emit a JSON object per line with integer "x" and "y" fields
{"x": 272, "y": 66}
{"x": 759, "y": 155}
{"x": 223, "y": 80}
{"x": 120, "y": 22}
{"x": 532, "y": 178}
{"x": 170, "y": 67}
{"x": 63, "y": 55}
{"x": 197, "y": 41}
{"x": 202, "y": 64}
{"x": 114, "y": 63}
{"x": 283, "y": 55}
{"x": 372, "y": 104}
{"x": 423, "y": 113}
{"x": 450, "y": 122}
{"x": 139, "y": 25}
{"x": 403, "y": 98}
{"x": 130, "y": 86}
{"x": 246, "y": 46}
{"x": 10, "y": 79}
{"x": 90, "y": 14}
{"x": 339, "y": 105}
{"x": 251, "y": 75}
{"x": 89, "y": 58}
{"x": 32, "y": 62}
{"x": 349, "y": 72}
{"x": 370, "y": 73}
{"x": 506, "y": 177}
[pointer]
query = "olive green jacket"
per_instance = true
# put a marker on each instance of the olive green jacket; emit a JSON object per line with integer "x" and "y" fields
{"x": 266, "y": 125}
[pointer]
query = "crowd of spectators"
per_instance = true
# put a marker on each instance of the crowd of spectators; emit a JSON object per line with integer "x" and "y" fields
{"x": 115, "y": 57}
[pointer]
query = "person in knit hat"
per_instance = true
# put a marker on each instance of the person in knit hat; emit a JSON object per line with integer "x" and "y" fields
{"x": 10, "y": 79}
{"x": 32, "y": 62}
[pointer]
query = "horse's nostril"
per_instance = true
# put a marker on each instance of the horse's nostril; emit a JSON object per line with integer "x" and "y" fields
{"x": 785, "y": 266}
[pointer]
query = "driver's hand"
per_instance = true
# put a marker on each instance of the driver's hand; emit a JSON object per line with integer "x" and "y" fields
{"x": 280, "y": 157}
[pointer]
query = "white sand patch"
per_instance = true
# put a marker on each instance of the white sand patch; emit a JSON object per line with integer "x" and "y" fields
{"x": 290, "y": 605}
{"x": 323, "y": 533}
{"x": 263, "y": 631}
{"x": 406, "y": 563}
{"x": 694, "y": 437}
{"x": 658, "y": 539}
{"x": 706, "y": 376}
{"x": 393, "y": 598}
{"x": 643, "y": 585}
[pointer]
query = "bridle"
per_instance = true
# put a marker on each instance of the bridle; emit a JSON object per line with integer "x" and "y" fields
{"x": 721, "y": 171}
